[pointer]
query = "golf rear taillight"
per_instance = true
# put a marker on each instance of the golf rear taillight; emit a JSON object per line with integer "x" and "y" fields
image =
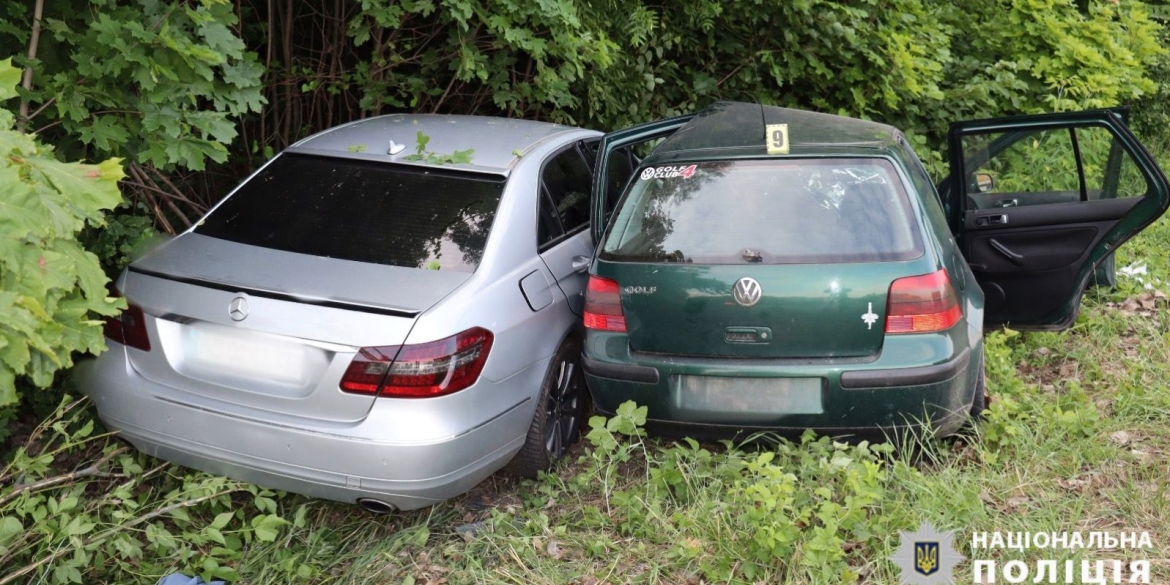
{"x": 419, "y": 371}
{"x": 603, "y": 305}
{"x": 922, "y": 304}
{"x": 128, "y": 328}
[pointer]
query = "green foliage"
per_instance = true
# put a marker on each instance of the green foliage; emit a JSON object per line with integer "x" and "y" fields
{"x": 1015, "y": 414}
{"x": 422, "y": 154}
{"x": 912, "y": 63}
{"x": 481, "y": 43}
{"x": 179, "y": 78}
{"x": 1148, "y": 114}
{"x": 789, "y": 512}
{"x": 50, "y": 287}
{"x": 126, "y": 230}
{"x": 120, "y": 516}
{"x": 171, "y": 80}
{"x": 1055, "y": 56}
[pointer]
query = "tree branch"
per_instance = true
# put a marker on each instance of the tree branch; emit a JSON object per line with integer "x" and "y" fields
{"x": 91, "y": 471}
{"x": 38, "y": 10}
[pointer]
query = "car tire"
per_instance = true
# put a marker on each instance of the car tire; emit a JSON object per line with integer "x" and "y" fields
{"x": 980, "y": 399}
{"x": 560, "y": 413}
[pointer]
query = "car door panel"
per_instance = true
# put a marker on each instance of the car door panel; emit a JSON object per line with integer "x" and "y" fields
{"x": 1034, "y": 249}
{"x": 616, "y": 158}
{"x": 1012, "y": 251}
{"x": 1047, "y": 215}
{"x": 566, "y": 245}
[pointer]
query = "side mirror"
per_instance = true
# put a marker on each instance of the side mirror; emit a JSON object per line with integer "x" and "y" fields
{"x": 984, "y": 183}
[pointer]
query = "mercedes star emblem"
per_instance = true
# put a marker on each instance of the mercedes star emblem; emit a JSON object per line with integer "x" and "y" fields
{"x": 747, "y": 291}
{"x": 238, "y": 310}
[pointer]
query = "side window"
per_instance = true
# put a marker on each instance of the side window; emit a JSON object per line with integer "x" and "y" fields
{"x": 621, "y": 168}
{"x": 915, "y": 169}
{"x": 1110, "y": 172}
{"x": 1039, "y": 167}
{"x": 565, "y": 182}
{"x": 922, "y": 184}
{"x": 589, "y": 148}
{"x": 548, "y": 228}
{"x": 619, "y": 156}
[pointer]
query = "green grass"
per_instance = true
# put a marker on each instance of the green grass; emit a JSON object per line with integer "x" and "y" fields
{"x": 1078, "y": 439}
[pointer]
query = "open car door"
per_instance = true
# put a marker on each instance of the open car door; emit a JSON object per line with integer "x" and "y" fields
{"x": 617, "y": 157}
{"x": 1037, "y": 202}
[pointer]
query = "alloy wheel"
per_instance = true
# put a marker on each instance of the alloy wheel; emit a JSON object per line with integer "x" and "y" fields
{"x": 563, "y": 421}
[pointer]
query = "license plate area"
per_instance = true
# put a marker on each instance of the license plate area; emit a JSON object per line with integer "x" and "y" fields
{"x": 243, "y": 359}
{"x": 725, "y": 399}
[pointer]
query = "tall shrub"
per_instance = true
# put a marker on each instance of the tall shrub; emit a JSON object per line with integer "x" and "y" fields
{"x": 161, "y": 84}
{"x": 51, "y": 289}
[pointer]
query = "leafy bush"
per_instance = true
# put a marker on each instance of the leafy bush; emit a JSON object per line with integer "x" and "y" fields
{"x": 919, "y": 65}
{"x": 608, "y": 64}
{"x": 127, "y": 229}
{"x": 793, "y": 512}
{"x": 172, "y": 80}
{"x": 50, "y": 287}
{"x": 166, "y": 95}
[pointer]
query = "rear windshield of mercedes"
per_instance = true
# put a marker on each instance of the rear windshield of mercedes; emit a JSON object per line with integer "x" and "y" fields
{"x": 364, "y": 211}
{"x": 791, "y": 211}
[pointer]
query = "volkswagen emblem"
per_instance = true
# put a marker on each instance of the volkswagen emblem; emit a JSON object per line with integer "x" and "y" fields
{"x": 747, "y": 291}
{"x": 238, "y": 309}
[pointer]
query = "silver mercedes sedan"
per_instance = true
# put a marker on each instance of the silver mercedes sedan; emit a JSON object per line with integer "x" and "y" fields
{"x": 376, "y": 316}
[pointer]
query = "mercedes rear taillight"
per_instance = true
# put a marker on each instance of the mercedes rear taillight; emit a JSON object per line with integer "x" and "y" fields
{"x": 129, "y": 328}
{"x": 422, "y": 370}
{"x": 922, "y": 304}
{"x": 603, "y": 305}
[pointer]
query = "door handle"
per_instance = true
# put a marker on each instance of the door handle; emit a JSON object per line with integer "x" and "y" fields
{"x": 986, "y": 220}
{"x": 581, "y": 263}
{"x": 1013, "y": 257}
{"x": 1009, "y": 202}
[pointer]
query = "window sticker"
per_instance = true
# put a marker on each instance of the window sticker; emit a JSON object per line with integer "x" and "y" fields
{"x": 776, "y": 136}
{"x": 668, "y": 172}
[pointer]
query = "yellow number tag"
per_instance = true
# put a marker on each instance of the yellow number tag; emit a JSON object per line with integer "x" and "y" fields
{"x": 776, "y": 135}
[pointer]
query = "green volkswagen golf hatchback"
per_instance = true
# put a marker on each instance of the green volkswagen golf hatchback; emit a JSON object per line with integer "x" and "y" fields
{"x": 768, "y": 269}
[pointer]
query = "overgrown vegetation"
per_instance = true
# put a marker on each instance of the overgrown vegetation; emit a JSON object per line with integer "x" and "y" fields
{"x": 50, "y": 287}
{"x": 190, "y": 83}
{"x": 120, "y": 515}
{"x": 172, "y": 82}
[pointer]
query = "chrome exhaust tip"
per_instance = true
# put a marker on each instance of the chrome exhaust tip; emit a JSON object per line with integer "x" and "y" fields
{"x": 376, "y": 506}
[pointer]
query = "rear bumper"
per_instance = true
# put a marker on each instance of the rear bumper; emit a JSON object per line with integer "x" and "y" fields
{"x": 917, "y": 381}
{"x": 620, "y": 372}
{"x": 336, "y": 462}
